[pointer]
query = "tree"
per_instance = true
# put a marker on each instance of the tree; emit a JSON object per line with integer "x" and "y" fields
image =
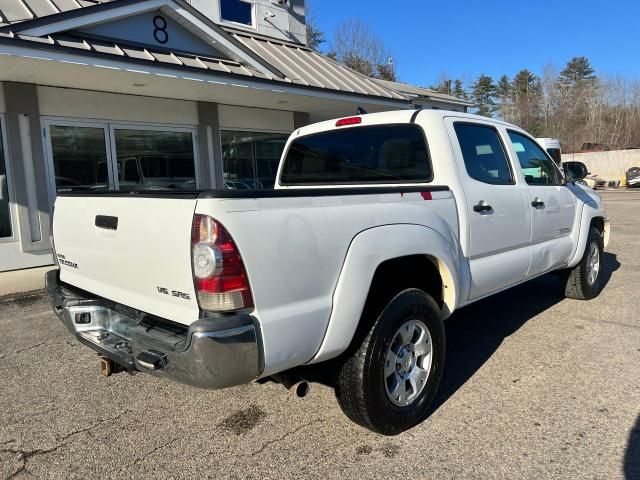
{"x": 504, "y": 94}
{"x": 315, "y": 36}
{"x": 357, "y": 46}
{"x": 387, "y": 71}
{"x": 444, "y": 85}
{"x": 458, "y": 90}
{"x": 527, "y": 97}
{"x": 483, "y": 93}
{"x": 578, "y": 71}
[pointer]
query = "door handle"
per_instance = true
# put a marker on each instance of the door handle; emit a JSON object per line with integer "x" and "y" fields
{"x": 537, "y": 203}
{"x": 482, "y": 207}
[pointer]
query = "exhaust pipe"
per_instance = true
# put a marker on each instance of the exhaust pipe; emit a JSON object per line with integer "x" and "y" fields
{"x": 296, "y": 386}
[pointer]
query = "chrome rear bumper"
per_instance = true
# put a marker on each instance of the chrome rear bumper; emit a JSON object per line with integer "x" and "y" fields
{"x": 212, "y": 353}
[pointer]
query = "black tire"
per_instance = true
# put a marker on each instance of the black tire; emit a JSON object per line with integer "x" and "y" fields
{"x": 360, "y": 386}
{"x": 575, "y": 281}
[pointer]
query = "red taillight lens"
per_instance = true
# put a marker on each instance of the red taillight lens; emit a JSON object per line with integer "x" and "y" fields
{"x": 343, "y": 122}
{"x": 219, "y": 275}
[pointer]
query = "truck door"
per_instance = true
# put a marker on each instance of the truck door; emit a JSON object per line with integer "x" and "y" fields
{"x": 496, "y": 206}
{"x": 552, "y": 205}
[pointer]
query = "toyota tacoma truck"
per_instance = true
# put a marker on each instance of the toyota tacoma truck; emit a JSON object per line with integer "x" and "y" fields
{"x": 379, "y": 227}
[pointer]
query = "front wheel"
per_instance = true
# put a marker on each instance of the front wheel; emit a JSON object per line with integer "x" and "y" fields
{"x": 584, "y": 281}
{"x": 388, "y": 383}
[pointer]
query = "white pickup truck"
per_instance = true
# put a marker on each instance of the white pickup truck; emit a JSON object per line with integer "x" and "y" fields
{"x": 379, "y": 227}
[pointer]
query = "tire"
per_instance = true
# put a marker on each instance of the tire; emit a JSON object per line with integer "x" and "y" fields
{"x": 578, "y": 282}
{"x": 361, "y": 386}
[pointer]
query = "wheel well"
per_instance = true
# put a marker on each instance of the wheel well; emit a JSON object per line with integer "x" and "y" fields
{"x": 393, "y": 276}
{"x": 598, "y": 222}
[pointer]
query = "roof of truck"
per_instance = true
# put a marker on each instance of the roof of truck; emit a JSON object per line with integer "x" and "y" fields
{"x": 399, "y": 117}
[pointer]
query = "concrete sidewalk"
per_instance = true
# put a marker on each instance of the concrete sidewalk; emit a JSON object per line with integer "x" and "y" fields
{"x": 22, "y": 281}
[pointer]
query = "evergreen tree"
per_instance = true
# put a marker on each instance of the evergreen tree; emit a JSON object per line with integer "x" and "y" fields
{"x": 483, "y": 93}
{"x": 504, "y": 93}
{"x": 503, "y": 89}
{"x": 458, "y": 90}
{"x": 315, "y": 37}
{"x": 527, "y": 101}
{"x": 578, "y": 71}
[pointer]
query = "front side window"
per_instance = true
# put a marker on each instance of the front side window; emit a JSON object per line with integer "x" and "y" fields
{"x": 5, "y": 211}
{"x": 483, "y": 154}
{"x": 370, "y": 154}
{"x": 155, "y": 160}
{"x": 537, "y": 167}
{"x": 236, "y": 11}
{"x": 250, "y": 159}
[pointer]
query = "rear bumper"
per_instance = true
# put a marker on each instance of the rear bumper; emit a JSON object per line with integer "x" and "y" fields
{"x": 212, "y": 353}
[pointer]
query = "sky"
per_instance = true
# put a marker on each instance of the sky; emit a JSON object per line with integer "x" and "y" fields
{"x": 463, "y": 39}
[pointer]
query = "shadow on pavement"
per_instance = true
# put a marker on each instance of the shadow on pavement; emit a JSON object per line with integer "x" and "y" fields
{"x": 632, "y": 455}
{"x": 475, "y": 332}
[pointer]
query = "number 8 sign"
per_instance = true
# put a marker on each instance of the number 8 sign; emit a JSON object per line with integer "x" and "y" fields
{"x": 160, "y": 33}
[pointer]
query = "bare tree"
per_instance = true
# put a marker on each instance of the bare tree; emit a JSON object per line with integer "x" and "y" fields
{"x": 357, "y": 46}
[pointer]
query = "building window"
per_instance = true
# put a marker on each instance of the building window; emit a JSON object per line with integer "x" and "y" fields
{"x": 95, "y": 157}
{"x": 237, "y": 11}
{"x": 251, "y": 159}
{"x": 79, "y": 158}
{"x": 154, "y": 160}
{"x": 5, "y": 210}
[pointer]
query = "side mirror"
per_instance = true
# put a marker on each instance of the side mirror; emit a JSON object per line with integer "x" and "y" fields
{"x": 574, "y": 171}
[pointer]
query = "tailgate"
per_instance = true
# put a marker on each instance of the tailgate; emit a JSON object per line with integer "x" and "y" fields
{"x": 133, "y": 250}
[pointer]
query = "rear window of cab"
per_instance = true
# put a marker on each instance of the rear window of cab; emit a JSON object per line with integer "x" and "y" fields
{"x": 374, "y": 154}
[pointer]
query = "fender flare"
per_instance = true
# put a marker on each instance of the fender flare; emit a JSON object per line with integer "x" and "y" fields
{"x": 367, "y": 251}
{"x": 590, "y": 211}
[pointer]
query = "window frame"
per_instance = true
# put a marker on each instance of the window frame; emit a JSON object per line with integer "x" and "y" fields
{"x": 10, "y": 186}
{"x": 504, "y": 149}
{"x": 253, "y": 25}
{"x": 423, "y": 135}
{"x": 113, "y": 126}
{"x": 109, "y": 127}
{"x": 516, "y": 159}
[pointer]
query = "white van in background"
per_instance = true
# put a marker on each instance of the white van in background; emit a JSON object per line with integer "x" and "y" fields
{"x": 553, "y": 148}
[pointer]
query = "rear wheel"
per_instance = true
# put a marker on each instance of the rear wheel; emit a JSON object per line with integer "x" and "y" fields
{"x": 389, "y": 381}
{"x": 584, "y": 281}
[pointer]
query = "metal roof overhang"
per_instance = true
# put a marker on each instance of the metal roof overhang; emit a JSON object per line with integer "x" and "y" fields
{"x": 21, "y": 62}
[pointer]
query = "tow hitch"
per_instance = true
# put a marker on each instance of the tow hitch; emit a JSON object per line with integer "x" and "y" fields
{"x": 108, "y": 367}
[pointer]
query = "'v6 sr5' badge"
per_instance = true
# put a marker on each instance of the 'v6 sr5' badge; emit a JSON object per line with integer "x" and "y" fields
{"x": 174, "y": 293}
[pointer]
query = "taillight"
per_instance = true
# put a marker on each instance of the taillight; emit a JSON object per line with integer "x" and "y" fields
{"x": 218, "y": 272}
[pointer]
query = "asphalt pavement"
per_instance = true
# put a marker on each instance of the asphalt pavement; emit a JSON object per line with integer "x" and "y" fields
{"x": 535, "y": 386}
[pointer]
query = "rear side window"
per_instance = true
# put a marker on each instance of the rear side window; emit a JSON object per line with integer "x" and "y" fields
{"x": 371, "y": 154}
{"x": 483, "y": 153}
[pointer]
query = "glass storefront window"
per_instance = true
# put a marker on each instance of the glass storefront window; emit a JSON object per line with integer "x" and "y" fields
{"x": 5, "y": 210}
{"x": 79, "y": 158}
{"x": 155, "y": 160}
{"x": 251, "y": 159}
